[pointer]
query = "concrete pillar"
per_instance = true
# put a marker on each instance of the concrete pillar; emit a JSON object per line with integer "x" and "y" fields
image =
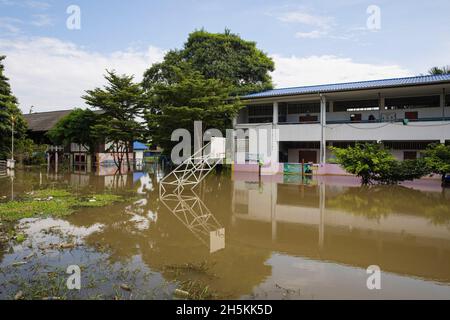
{"x": 381, "y": 105}
{"x": 56, "y": 161}
{"x": 323, "y": 121}
{"x": 275, "y": 112}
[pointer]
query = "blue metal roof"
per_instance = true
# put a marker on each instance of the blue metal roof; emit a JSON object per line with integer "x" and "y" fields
{"x": 139, "y": 146}
{"x": 372, "y": 84}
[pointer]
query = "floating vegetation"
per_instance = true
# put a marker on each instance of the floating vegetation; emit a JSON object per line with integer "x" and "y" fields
{"x": 53, "y": 202}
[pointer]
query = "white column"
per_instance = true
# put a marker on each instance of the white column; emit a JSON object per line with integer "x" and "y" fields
{"x": 275, "y": 112}
{"x": 56, "y": 160}
{"x": 323, "y": 121}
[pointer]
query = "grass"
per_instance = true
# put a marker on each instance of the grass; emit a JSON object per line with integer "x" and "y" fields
{"x": 52, "y": 202}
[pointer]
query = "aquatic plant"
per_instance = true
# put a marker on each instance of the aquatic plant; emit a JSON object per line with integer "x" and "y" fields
{"x": 53, "y": 202}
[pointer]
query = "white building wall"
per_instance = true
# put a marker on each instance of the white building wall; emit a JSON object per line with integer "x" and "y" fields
{"x": 414, "y": 131}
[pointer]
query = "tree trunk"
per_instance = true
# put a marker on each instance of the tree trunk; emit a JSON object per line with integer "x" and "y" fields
{"x": 127, "y": 150}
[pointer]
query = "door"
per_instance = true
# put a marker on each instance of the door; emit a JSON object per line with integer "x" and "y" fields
{"x": 411, "y": 115}
{"x": 307, "y": 156}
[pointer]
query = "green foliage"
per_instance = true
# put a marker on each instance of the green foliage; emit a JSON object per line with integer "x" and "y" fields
{"x": 121, "y": 101}
{"x": 201, "y": 82}
{"x": 437, "y": 158}
{"x": 404, "y": 170}
{"x": 76, "y": 127}
{"x": 9, "y": 112}
{"x": 29, "y": 153}
{"x": 223, "y": 56}
{"x": 366, "y": 161}
{"x": 439, "y": 70}
{"x": 372, "y": 163}
{"x": 53, "y": 202}
{"x": 191, "y": 98}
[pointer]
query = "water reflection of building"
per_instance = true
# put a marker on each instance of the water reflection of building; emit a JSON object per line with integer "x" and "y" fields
{"x": 318, "y": 222}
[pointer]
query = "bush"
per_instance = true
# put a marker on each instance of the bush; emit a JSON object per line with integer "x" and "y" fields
{"x": 372, "y": 163}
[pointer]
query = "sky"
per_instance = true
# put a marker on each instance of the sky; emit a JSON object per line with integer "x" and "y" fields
{"x": 57, "y": 49}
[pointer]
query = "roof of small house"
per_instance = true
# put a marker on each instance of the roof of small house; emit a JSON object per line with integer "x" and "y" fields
{"x": 139, "y": 146}
{"x": 44, "y": 121}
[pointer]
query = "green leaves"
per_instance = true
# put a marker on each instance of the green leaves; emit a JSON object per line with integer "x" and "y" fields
{"x": 8, "y": 112}
{"x": 437, "y": 158}
{"x": 372, "y": 163}
{"x": 76, "y": 127}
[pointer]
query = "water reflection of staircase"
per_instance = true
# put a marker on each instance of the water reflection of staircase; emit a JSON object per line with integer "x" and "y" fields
{"x": 186, "y": 206}
{"x": 192, "y": 212}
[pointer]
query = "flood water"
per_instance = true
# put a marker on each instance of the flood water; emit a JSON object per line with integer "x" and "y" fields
{"x": 279, "y": 238}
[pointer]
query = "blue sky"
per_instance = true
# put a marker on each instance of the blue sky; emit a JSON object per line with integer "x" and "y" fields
{"x": 311, "y": 42}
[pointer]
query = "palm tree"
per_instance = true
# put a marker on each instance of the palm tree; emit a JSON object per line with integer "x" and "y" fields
{"x": 438, "y": 70}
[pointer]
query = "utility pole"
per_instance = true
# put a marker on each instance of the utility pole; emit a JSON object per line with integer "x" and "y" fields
{"x": 12, "y": 137}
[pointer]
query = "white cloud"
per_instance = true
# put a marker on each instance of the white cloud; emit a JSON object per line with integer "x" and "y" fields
{"x": 10, "y": 25}
{"x": 306, "y": 19}
{"x": 321, "y": 25}
{"x": 41, "y": 20}
{"x": 51, "y": 74}
{"x": 298, "y": 71}
{"x": 315, "y": 34}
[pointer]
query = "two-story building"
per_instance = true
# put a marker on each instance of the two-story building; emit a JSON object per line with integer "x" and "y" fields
{"x": 406, "y": 114}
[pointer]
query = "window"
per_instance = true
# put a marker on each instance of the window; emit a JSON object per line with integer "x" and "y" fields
{"x": 260, "y": 113}
{"x": 355, "y": 117}
{"x": 409, "y": 155}
{"x": 412, "y": 102}
{"x": 447, "y": 100}
{"x": 297, "y": 108}
{"x": 308, "y": 118}
{"x": 407, "y": 145}
{"x": 355, "y": 105}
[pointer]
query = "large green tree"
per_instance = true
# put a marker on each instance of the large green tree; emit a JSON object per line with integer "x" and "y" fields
{"x": 202, "y": 82}
{"x": 191, "y": 98}
{"x": 9, "y": 112}
{"x": 76, "y": 127}
{"x": 223, "y": 56}
{"x": 121, "y": 101}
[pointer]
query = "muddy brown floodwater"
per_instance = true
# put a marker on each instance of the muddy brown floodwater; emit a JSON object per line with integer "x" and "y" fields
{"x": 235, "y": 237}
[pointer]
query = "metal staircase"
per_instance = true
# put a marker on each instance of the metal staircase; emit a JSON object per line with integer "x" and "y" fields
{"x": 187, "y": 206}
{"x": 194, "y": 169}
